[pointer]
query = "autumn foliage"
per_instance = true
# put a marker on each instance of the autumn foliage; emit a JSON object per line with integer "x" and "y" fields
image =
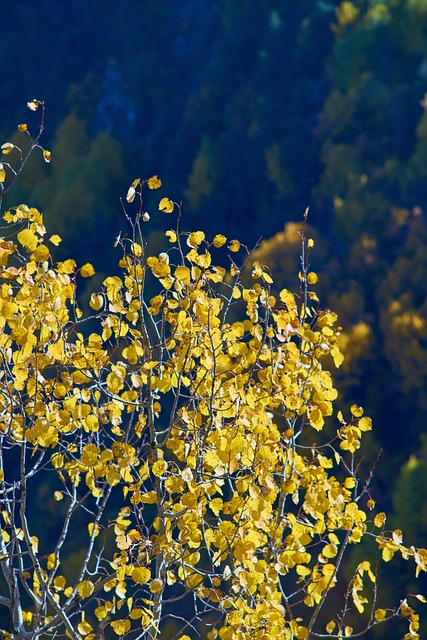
{"x": 185, "y": 423}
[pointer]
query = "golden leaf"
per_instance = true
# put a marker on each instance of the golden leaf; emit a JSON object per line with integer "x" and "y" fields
{"x": 234, "y": 246}
{"x": 141, "y": 575}
{"x": 101, "y": 612}
{"x": 136, "y": 249}
{"x": 85, "y": 589}
{"x": 40, "y": 253}
{"x": 7, "y": 147}
{"x": 84, "y": 628}
{"x": 159, "y": 468}
{"x": 183, "y": 274}
{"x": 96, "y": 301}
{"x": 356, "y": 411}
{"x": 154, "y": 182}
{"x": 195, "y": 239}
{"x": 156, "y": 586}
{"x": 166, "y": 205}
{"x": 330, "y": 626}
{"x": 28, "y": 239}
{"x": 120, "y": 627}
{"x": 219, "y": 240}
{"x": 87, "y": 270}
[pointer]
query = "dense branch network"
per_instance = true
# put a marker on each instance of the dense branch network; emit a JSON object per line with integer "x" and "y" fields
{"x": 180, "y": 428}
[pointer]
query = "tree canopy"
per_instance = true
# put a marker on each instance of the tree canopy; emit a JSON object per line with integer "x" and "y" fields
{"x": 183, "y": 432}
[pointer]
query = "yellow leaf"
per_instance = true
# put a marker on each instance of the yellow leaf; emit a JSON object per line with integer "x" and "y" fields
{"x": 154, "y": 182}
{"x": 379, "y": 519}
{"x": 22, "y": 127}
{"x": 136, "y": 249}
{"x": 87, "y": 270}
{"x": 356, "y": 411}
{"x": 330, "y": 626}
{"x": 57, "y": 350}
{"x": 112, "y": 477}
{"x": 216, "y": 505}
{"x": 421, "y": 598}
{"x": 219, "y": 240}
{"x": 365, "y": 424}
{"x": 33, "y": 105}
{"x": 204, "y": 260}
{"x": 84, "y": 628}
{"x": 40, "y": 253}
{"x": 101, "y": 612}
{"x": 93, "y": 529}
{"x": 330, "y": 550}
{"x": 7, "y": 148}
{"x": 310, "y": 243}
{"x": 234, "y": 246}
{"x": 387, "y": 554}
{"x": 57, "y": 460}
{"x": 120, "y": 627}
{"x": 28, "y": 239}
{"x": 58, "y": 496}
{"x": 287, "y": 298}
{"x": 195, "y": 239}
{"x": 337, "y": 356}
{"x": 166, "y": 205}
{"x": 59, "y": 583}
{"x": 171, "y": 235}
{"x": 85, "y": 589}
{"x": 183, "y": 274}
{"x": 2, "y": 173}
{"x": 27, "y": 616}
{"x": 397, "y": 536}
{"x": 159, "y": 468}
{"x": 67, "y": 266}
{"x": 156, "y": 586}
{"x": 47, "y": 155}
{"x": 96, "y": 301}
{"x": 380, "y": 615}
{"x": 55, "y": 239}
{"x": 141, "y": 575}
{"x": 312, "y": 277}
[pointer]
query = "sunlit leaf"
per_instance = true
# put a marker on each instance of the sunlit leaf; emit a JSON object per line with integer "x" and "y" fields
{"x": 87, "y": 270}
{"x": 7, "y": 147}
{"x": 166, "y": 205}
{"x": 154, "y": 182}
{"x": 120, "y": 627}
